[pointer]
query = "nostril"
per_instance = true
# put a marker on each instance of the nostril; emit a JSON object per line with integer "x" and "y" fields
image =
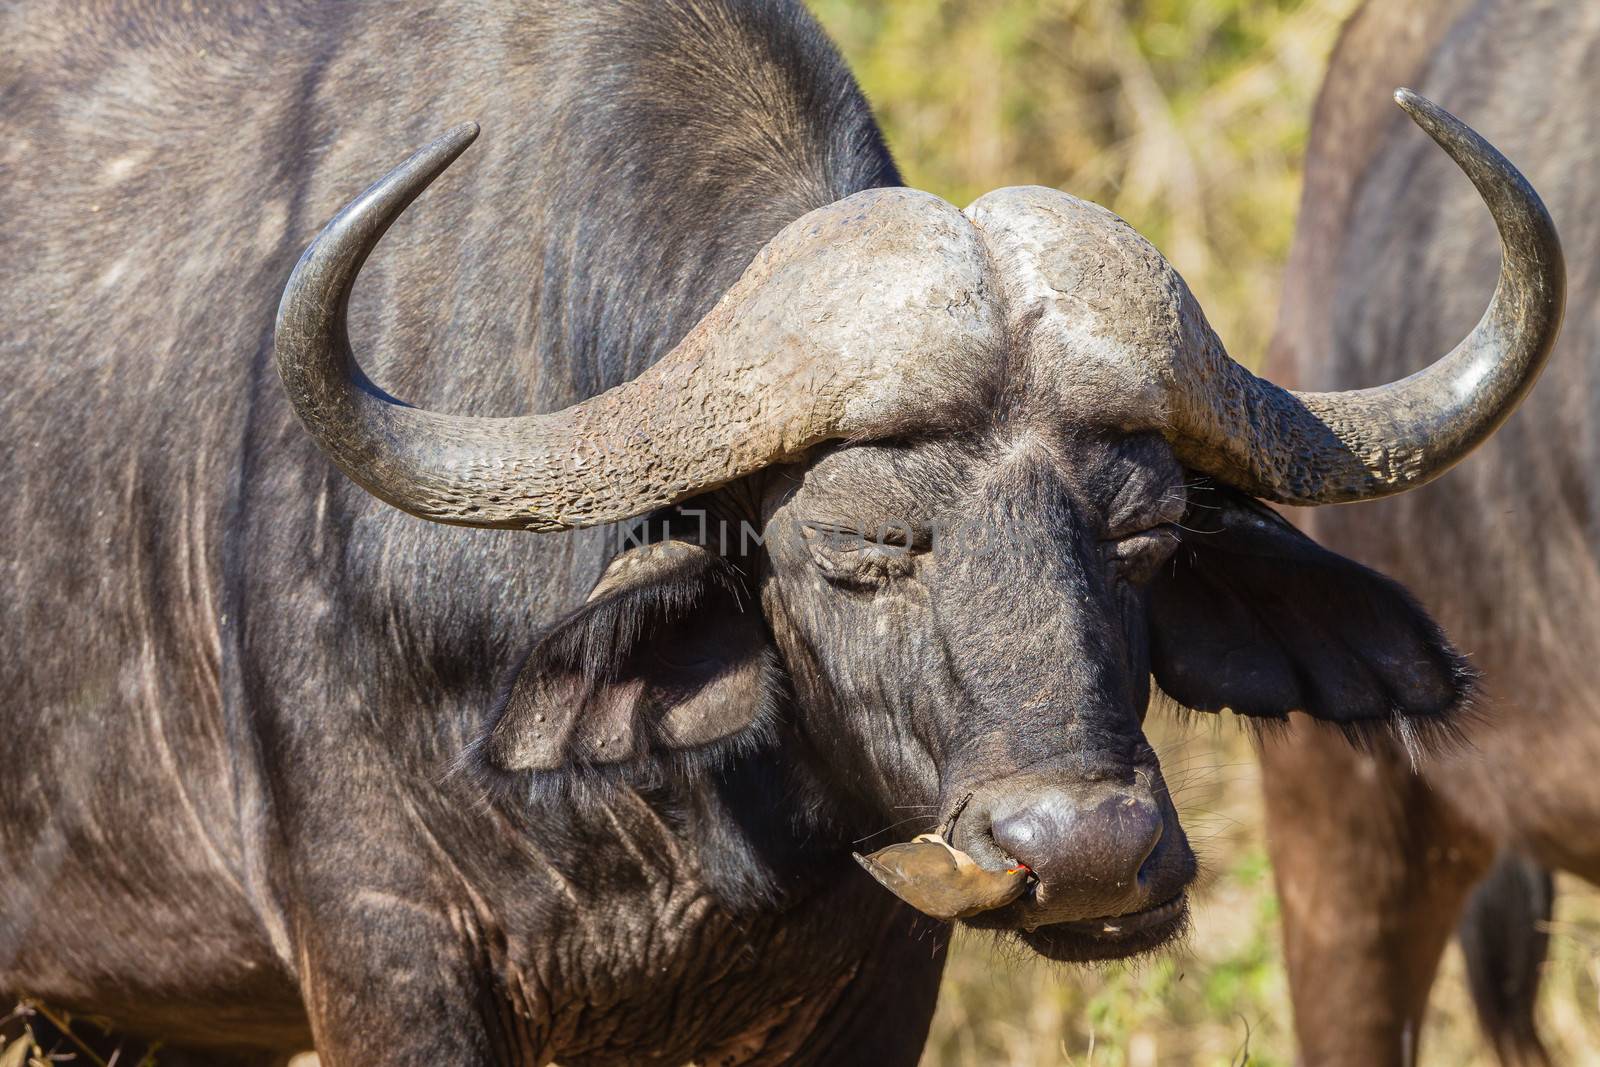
{"x": 1107, "y": 846}
{"x": 1034, "y": 834}
{"x": 1139, "y": 830}
{"x": 1154, "y": 827}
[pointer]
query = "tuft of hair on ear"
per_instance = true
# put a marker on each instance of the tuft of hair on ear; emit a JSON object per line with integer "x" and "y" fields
{"x": 1417, "y": 732}
{"x": 662, "y": 769}
{"x": 1422, "y": 735}
{"x": 665, "y": 674}
{"x": 594, "y": 639}
{"x": 1418, "y": 736}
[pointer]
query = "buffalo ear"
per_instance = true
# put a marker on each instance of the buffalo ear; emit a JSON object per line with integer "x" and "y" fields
{"x": 669, "y": 655}
{"x": 1253, "y": 615}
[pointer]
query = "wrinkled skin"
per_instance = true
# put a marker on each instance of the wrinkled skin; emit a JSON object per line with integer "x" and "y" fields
{"x": 1038, "y": 527}
{"x": 912, "y": 654}
{"x": 902, "y": 690}
{"x": 1374, "y": 880}
{"x": 297, "y": 768}
{"x": 1043, "y": 535}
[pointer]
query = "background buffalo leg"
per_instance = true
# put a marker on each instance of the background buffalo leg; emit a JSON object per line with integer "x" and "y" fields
{"x": 1372, "y": 873}
{"x": 1504, "y": 934}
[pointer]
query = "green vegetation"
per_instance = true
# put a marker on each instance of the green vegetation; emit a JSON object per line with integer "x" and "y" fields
{"x": 1188, "y": 118}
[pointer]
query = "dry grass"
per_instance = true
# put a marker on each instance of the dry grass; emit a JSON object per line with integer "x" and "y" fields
{"x": 1187, "y": 117}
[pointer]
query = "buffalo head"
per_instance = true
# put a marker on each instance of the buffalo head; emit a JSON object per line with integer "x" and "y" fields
{"x": 931, "y": 495}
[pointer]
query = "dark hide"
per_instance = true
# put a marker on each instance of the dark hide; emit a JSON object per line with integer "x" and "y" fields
{"x": 275, "y": 790}
{"x": 1254, "y": 616}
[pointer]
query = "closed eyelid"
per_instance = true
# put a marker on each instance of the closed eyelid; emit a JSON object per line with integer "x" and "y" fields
{"x": 850, "y": 559}
{"x": 1165, "y": 510}
{"x": 892, "y": 533}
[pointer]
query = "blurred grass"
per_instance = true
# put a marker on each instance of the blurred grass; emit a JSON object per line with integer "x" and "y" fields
{"x": 1188, "y": 118}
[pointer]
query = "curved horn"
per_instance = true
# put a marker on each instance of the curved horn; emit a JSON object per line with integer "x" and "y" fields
{"x": 1325, "y": 448}
{"x": 786, "y": 360}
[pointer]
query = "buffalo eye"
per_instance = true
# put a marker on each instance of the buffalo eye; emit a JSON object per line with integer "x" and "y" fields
{"x": 1137, "y": 556}
{"x": 860, "y": 559}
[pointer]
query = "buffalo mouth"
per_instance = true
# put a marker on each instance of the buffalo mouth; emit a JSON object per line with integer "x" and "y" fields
{"x": 1112, "y": 937}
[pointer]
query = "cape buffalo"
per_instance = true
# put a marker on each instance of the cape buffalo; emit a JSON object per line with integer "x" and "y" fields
{"x": 884, "y": 513}
{"x": 1377, "y": 856}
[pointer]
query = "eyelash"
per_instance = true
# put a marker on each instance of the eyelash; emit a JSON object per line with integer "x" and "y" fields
{"x": 848, "y": 537}
{"x": 849, "y": 557}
